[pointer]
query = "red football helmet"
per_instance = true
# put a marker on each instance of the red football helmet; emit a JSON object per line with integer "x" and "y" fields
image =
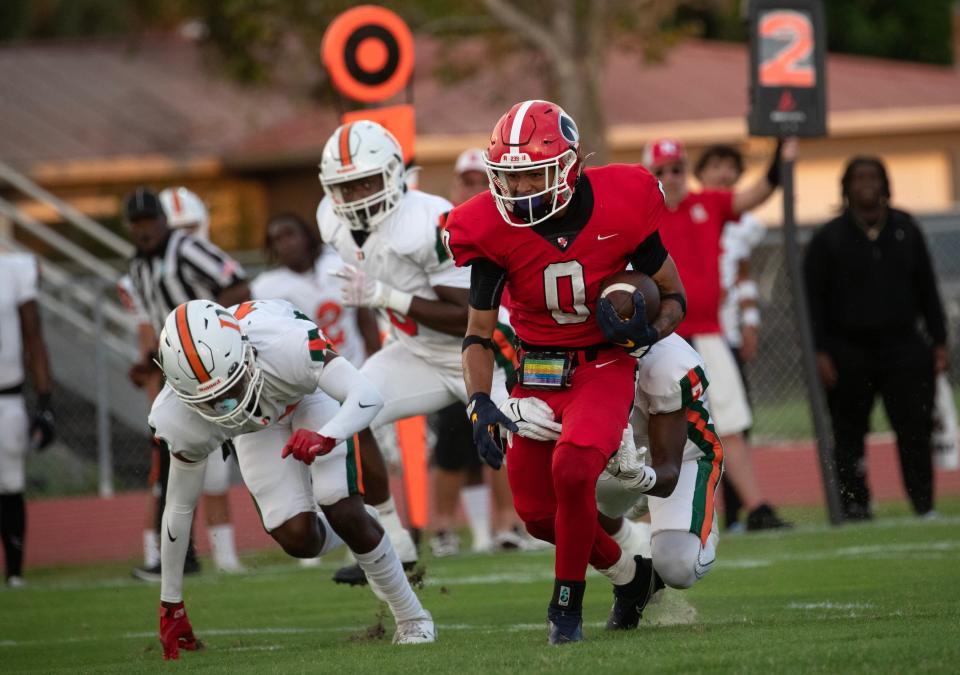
{"x": 536, "y": 140}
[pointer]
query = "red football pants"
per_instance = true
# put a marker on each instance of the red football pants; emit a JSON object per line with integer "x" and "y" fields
{"x": 554, "y": 483}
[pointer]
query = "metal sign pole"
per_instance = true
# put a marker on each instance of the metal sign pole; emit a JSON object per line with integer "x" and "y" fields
{"x": 828, "y": 468}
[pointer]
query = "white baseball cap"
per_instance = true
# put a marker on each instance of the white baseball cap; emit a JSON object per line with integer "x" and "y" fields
{"x": 470, "y": 160}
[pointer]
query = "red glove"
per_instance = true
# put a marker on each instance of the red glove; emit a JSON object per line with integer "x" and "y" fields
{"x": 306, "y": 445}
{"x": 176, "y": 633}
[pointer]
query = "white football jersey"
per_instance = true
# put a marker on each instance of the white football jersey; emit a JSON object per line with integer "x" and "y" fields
{"x": 672, "y": 376}
{"x": 290, "y": 352}
{"x": 18, "y": 285}
{"x": 317, "y": 294}
{"x": 737, "y": 242}
{"x": 405, "y": 251}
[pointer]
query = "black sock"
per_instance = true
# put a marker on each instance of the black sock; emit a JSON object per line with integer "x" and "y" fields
{"x": 13, "y": 525}
{"x": 568, "y": 596}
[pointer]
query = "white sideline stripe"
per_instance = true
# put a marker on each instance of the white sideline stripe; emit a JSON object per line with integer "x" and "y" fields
{"x": 831, "y": 605}
{"x": 878, "y": 550}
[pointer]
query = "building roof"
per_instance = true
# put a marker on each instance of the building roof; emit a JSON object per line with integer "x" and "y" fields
{"x": 75, "y": 100}
{"x": 93, "y": 100}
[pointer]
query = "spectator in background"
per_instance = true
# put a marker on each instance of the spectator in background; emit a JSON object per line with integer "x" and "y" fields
{"x": 719, "y": 168}
{"x": 169, "y": 268}
{"x": 458, "y": 472}
{"x": 302, "y": 277}
{"x": 869, "y": 279}
{"x": 20, "y": 336}
{"x": 691, "y": 230}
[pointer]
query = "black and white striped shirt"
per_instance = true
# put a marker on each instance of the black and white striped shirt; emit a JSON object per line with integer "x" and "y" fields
{"x": 186, "y": 269}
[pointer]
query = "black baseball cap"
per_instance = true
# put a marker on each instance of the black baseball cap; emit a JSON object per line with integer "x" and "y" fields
{"x": 142, "y": 204}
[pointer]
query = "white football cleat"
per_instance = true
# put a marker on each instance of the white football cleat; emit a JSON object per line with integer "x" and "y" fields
{"x": 15, "y": 582}
{"x": 416, "y": 631}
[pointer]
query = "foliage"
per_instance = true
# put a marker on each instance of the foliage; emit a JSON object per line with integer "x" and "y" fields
{"x": 894, "y": 29}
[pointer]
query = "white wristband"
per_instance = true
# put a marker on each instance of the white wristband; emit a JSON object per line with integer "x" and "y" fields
{"x": 645, "y": 481}
{"x": 747, "y": 290}
{"x": 750, "y": 317}
{"x": 399, "y": 301}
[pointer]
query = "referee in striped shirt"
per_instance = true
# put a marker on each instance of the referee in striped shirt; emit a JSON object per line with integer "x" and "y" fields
{"x": 172, "y": 267}
{"x": 169, "y": 268}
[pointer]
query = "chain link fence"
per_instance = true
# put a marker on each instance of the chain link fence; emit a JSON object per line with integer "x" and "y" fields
{"x": 781, "y": 411}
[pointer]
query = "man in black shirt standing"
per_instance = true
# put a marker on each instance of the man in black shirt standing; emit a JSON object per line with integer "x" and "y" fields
{"x": 869, "y": 278}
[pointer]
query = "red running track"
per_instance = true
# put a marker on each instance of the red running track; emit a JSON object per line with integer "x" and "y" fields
{"x": 88, "y": 529}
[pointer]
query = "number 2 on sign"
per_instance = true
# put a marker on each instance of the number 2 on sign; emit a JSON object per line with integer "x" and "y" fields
{"x": 790, "y": 65}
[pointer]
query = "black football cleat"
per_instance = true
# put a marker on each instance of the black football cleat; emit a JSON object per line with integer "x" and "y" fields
{"x": 630, "y": 598}
{"x": 765, "y": 518}
{"x": 564, "y": 627}
{"x": 353, "y": 575}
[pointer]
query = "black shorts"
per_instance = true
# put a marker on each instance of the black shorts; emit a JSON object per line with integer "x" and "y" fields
{"x": 454, "y": 450}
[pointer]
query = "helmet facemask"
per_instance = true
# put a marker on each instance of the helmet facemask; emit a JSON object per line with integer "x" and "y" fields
{"x": 534, "y": 208}
{"x": 368, "y": 212}
{"x": 236, "y": 401}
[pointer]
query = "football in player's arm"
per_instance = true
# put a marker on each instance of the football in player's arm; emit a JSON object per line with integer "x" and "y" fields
{"x": 266, "y": 379}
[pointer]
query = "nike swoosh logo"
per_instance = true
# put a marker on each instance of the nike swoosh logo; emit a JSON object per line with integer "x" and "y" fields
{"x": 601, "y": 365}
{"x": 366, "y": 405}
{"x": 601, "y": 237}
{"x": 172, "y": 538}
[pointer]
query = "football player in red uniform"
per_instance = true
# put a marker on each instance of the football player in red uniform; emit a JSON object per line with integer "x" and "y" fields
{"x": 549, "y": 232}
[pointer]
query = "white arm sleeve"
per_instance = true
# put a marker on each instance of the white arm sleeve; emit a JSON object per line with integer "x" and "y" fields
{"x": 183, "y": 490}
{"x": 359, "y": 399}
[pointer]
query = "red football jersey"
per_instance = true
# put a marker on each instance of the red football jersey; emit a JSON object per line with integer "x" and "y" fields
{"x": 553, "y": 283}
{"x": 691, "y": 232}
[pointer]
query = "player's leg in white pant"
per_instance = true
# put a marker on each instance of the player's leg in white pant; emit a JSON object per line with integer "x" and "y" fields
{"x": 337, "y": 489}
{"x": 684, "y": 525}
{"x": 409, "y": 386}
{"x": 282, "y": 490}
{"x": 681, "y": 559}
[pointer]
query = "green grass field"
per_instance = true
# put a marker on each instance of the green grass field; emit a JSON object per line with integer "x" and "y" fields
{"x": 881, "y": 597}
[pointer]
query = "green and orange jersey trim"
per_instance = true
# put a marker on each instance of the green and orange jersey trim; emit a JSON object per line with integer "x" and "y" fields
{"x": 321, "y": 350}
{"x": 354, "y": 467}
{"x": 700, "y": 430}
{"x": 504, "y": 353}
{"x": 692, "y": 386}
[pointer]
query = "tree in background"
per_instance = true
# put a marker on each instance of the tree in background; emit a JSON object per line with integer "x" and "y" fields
{"x": 566, "y": 40}
{"x": 908, "y": 30}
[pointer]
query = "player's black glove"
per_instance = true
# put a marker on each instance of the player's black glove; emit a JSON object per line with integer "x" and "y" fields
{"x": 635, "y": 334}
{"x": 41, "y": 429}
{"x": 485, "y": 416}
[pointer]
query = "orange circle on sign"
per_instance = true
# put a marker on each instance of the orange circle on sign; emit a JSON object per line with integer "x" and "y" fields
{"x": 372, "y": 54}
{"x": 368, "y": 51}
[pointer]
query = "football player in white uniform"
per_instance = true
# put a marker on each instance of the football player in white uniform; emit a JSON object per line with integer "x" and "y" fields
{"x": 185, "y": 211}
{"x": 20, "y": 333}
{"x": 394, "y": 261}
{"x": 677, "y": 476}
{"x": 265, "y": 377}
{"x": 302, "y": 277}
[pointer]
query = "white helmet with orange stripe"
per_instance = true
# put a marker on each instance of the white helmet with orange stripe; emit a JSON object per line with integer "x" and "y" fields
{"x": 362, "y": 173}
{"x": 210, "y": 364}
{"x": 184, "y": 209}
